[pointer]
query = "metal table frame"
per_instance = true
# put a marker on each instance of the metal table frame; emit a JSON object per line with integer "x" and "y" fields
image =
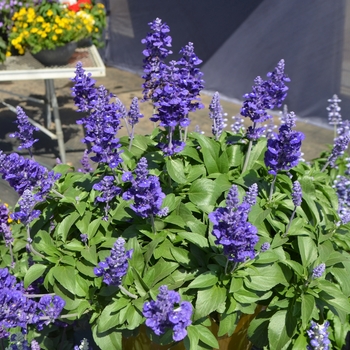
{"x": 27, "y": 68}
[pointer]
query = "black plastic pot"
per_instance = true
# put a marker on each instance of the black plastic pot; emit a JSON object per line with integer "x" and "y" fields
{"x": 59, "y": 56}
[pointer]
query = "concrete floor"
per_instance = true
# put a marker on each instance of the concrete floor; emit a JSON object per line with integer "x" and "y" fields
{"x": 125, "y": 85}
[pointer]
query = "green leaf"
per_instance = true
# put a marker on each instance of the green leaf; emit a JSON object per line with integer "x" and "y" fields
{"x": 210, "y": 150}
{"x": 265, "y": 278}
{"x": 307, "y": 308}
{"x": 204, "y": 280}
{"x": 308, "y": 250}
{"x": 194, "y": 238}
{"x": 104, "y": 340}
{"x": 277, "y": 331}
{"x": 33, "y": 273}
{"x": 227, "y": 324}
{"x": 203, "y": 192}
{"x": 193, "y": 336}
{"x": 176, "y": 170}
{"x": 217, "y": 297}
{"x": 65, "y": 275}
{"x": 65, "y": 225}
{"x": 207, "y": 337}
{"x": 109, "y": 317}
{"x": 89, "y": 253}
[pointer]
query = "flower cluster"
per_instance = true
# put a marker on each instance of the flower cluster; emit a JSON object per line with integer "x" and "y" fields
{"x": 334, "y": 117}
{"x": 342, "y": 187}
{"x": 318, "y": 271}
{"x": 4, "y": 224}
{"x": 26, "y": 213}
{"x": 283, "y": 151}
{"x": 17, "y": 310}
{"x": 146, "y": 192}
{"x": 297, "y": 194}
{"x": 26, "y": 174}
{"x": 163, "y": 313}
{"x": 266, "y": 94}
{"x": 216, "y": 114}
{"x": 231, "y": 227}
{"x": 173, "y": 88}
{"x": 318, "y": 336}
{"x": 341, "y": 143}
{"x": 108, "y": 192}
{"x": 26, "y": 130}
{"x": 103, "y": 121}
{"x": 115, "y": 267}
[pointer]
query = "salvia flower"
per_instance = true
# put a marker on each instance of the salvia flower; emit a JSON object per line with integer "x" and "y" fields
{"x": 114, "y": 267}
{"x": 334, "y": 117}
{"x": 251, "y": 195}
{"x": 134, "y": 113}
{"x": 84, "y": 345}
{"x": 318, "y": 336}
{"x": 4, "y": 213}
{"x": 297, "y": 194}
{"x": 101, "y": 127}
{"x": 168, "y": 312}
{"x": 232, "y": 229}
{"x": 86, "y": 167}
{"x": 237, "y": 126}
{"x": 26, "y": 213}
{"x": 318, "y": 271}
{"x": 341, "y": 143}
{"x": 342, "y": 188}
{"x": 108, "y": 192}
{"x": 34, "y": 345}
{"x": 23, "y": 173}
{"x": 283, "y": 151}
{"x": 83, "y": 91}
{"x": 157, "y": 43}
{"x": 216, "y": 114}
{"x": 50, "y": 307}
{"x": 25, "y": 130}
{"x": 6, "y": 231}
{"x": 145, "y": 190}
{"x": 265, "y": 246}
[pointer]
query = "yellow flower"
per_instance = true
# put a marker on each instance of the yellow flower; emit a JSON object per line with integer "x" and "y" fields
{"x": 43, "y": 35}
{"x": 40, "y": 19}
{"x": 54, "y": 37}
{"x": 34, "y": 30}
{"x": 101, "y": 6}
{"x": 49, "y": 13}
{"x": 58, "y": 31}
{"x": 8, "y": 54}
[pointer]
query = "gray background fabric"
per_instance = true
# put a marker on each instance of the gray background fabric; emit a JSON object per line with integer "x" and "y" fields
{"x": 238, "y": 40}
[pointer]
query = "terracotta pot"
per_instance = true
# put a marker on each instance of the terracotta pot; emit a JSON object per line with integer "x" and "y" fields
{"x": 59, "y": 56}
{"x": 238, "y": 340}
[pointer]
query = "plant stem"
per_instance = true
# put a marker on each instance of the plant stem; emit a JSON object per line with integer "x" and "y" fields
{"x": 127, "y": 292}
{"x": 272, "y": 187}
{"x": 325, "y": 166}
{"x": 29, "y": 240}
{"x": 37, "y": 295}
{"x": 152, "y": 223}
{"x": 57, "y": 193}
{"x": 290, "y": 222}
{"x": 131, "y": 138}
{"x": 185, "y": 135}
{"x": 247, "y": 156}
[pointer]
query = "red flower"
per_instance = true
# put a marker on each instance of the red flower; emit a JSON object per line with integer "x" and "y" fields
{"x": 76, "y": 7}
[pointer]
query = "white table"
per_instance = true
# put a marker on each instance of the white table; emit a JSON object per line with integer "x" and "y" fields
{"x": 26, "y": 67}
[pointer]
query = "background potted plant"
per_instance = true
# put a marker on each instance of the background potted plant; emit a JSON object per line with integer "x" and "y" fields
{"x": 178, "y": 238}
{"x": 49, "y": 31}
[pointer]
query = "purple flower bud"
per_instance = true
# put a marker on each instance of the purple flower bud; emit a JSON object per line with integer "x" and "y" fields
{"x": 334, "y": 117}
{"x": 134, "y": 113}
{"x": 26, "y": 130}
{"x": 265, "y": 246}
{"x": 297, "y": 194}
{"x": 318, "y": 271}
{"x": 26, "y": 214}
{"x": 318, "y": 336}
{"x": 217, "y": 115}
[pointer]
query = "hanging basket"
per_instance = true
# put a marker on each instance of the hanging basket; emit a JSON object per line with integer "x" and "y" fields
{"x": 59, "y": 56}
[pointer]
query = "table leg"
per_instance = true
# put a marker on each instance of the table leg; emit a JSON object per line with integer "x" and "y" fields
{"x": 56, "y": 115}
{"x": 48, "y": 105}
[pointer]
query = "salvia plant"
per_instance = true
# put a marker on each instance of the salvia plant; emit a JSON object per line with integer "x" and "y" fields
{"x": 222, "y": 241}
